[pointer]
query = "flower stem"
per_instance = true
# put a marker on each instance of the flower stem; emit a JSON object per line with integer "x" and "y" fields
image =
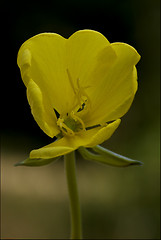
{"x": 76, "y": 229}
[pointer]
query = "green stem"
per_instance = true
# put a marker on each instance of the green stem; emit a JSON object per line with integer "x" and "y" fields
{"x": 76, "y": 229}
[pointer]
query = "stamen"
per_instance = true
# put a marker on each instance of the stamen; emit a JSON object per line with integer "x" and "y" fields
{"x": 63, "y": 127}
{"x": 77, "y": 119}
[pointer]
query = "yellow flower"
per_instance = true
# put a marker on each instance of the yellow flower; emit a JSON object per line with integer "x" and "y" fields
{"x": 78, "y": 88}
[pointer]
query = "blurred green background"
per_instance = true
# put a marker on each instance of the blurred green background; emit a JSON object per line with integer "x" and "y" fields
{"x": 117, "y": 203}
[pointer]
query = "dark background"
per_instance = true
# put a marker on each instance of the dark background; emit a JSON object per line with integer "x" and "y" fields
{"x": 116, "y": 203}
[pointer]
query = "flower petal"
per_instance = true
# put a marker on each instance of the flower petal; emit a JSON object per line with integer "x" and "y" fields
{"x": 82, "y": 50}
{"x": 47, "y": 68}
{"x": 103, "y": 134}
{"x": 51, "y": 151}
{"x": 67, "y": 144}
{"x": 43, "y": 115}
{"x": 116, "y": 89}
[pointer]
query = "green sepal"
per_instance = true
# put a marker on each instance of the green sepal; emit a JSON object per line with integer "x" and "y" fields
{"x": 105, "y": 156}
{"x": 36, "y": 162}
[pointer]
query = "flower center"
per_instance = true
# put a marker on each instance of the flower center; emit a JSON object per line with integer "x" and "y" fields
{"x": 71, "y": 124}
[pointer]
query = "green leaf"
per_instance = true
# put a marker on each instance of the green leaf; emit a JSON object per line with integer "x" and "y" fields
{"x": 106, "y": 156}
{"x": 36, "y": 162}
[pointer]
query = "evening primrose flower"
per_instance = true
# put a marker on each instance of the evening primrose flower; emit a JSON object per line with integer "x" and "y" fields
{"x": 78, "y": 88}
